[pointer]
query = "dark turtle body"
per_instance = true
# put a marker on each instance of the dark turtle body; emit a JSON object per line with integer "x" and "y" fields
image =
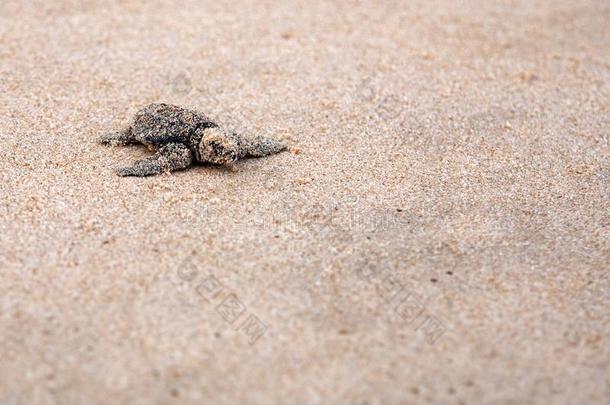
{"x": 180, "y": 137}
{"x": 159, "y": 124}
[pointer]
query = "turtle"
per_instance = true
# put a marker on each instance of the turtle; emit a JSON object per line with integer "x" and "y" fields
{"x": 180, "y": 136}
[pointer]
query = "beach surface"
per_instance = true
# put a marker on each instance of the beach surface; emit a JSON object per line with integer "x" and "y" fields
{"x": 437, "y": 232}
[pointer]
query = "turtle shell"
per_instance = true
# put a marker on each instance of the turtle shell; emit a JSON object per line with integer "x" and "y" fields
{"x": 159, "y": 124}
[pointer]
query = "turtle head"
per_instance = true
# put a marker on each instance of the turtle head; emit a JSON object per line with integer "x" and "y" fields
{"x": 219, "y": 146}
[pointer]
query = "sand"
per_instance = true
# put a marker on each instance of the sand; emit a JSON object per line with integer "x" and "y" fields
{"x": 439, "y": 232}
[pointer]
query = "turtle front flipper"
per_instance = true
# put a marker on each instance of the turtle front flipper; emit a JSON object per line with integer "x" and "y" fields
{"x": 262, "y": 146}
{"x": 169, "y": 158}
{"x": 120, "y": 138}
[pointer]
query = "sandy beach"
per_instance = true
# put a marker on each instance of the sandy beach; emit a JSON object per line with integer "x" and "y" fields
{"x": 438, "y": 231}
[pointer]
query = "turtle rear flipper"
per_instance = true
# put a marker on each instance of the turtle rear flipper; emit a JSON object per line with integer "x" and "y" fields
{"x": 120, "y": 138}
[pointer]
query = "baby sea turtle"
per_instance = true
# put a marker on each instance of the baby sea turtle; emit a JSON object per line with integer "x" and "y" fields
{"x": 180, "y": 137}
